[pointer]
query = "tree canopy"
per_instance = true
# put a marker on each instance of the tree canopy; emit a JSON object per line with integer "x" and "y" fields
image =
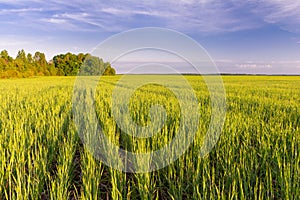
{"x": 27, "y": 65}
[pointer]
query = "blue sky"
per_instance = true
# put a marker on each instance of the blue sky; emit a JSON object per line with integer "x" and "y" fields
{"x": 241, "y": 36}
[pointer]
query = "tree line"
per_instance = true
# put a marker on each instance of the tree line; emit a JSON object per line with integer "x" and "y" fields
{"x": 28, "y": 65}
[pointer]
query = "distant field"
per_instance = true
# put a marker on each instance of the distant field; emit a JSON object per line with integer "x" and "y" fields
{"x": 256, "y": 157}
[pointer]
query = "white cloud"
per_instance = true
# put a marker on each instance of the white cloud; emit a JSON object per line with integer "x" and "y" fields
{"x": 201, "y": 16}
{"x": 20, "y": 10}
{"x": 130, "y": 12}
{"x": 78, "y": 19}
{"x": 286, "y": 62}
{"x": 56, "y": 21}
{"x": 184, "y": 15}
{"x": 224, "y": 61}
{"x": 207, "y": 16}
{"x": 254, "y": 66}
{"x": 284, "y": 13}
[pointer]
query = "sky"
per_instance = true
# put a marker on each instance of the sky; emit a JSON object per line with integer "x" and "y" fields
{"x": 241, "y": 36}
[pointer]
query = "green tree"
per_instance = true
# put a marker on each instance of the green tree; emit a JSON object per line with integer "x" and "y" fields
{"x": 40, "y": 63}
{"x": 63, "y": 65}
{"x": 30, "y": 58}
{"x": 5, "y": 56}
{"x": 22, "y": 56}
{"x": 109, "y": 70}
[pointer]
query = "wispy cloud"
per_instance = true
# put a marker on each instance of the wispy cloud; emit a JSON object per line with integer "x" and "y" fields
{"x": 207, "y": 16}
{"x": 223, "y": 64}
{"x": 184, "y": 15}
{"x": 284, "y": 13}
{"x": 55, "y": 20}
{"x": 254, "y": 66}
{"x": 19, "y": 10}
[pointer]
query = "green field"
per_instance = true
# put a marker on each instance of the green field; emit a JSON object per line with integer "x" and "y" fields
{"x": 256, "y": 157}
